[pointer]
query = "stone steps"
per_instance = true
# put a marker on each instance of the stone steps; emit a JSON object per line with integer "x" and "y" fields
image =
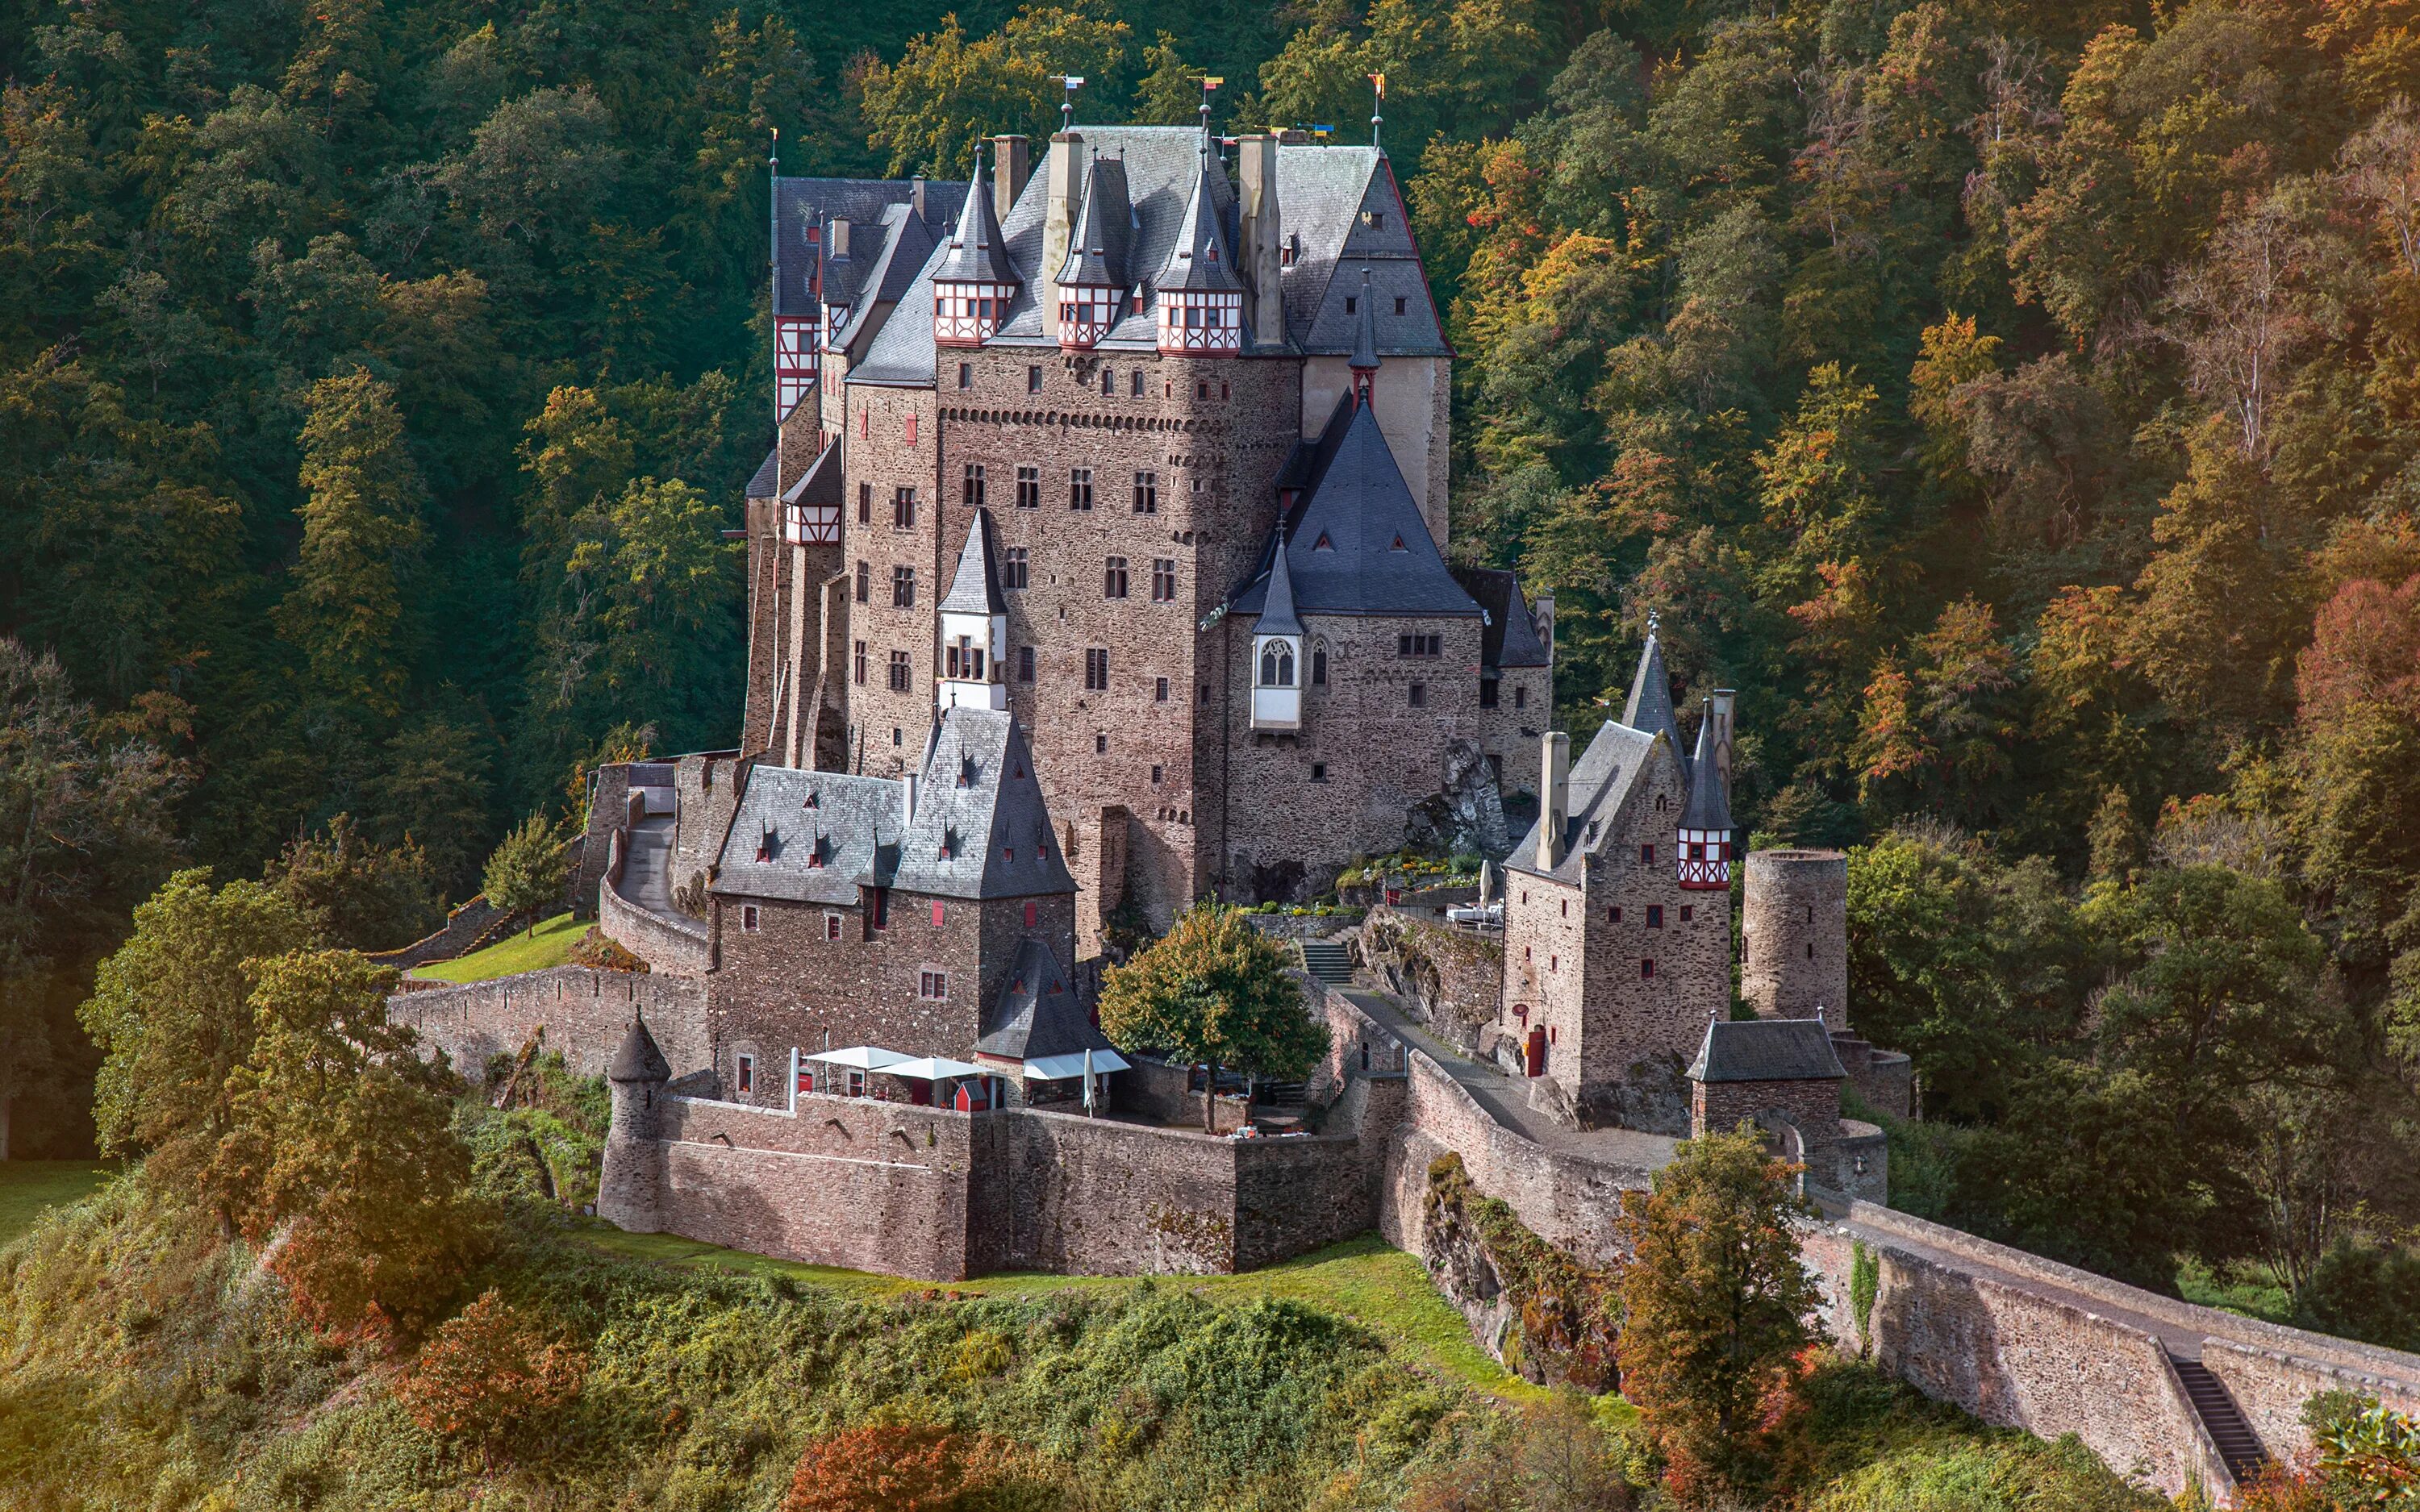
{"x": 1327, "y": 961}
{"x": 2232, "y": 1436}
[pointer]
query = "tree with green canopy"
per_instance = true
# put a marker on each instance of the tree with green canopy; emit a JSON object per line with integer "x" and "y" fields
{"x": 1214, "y": 990}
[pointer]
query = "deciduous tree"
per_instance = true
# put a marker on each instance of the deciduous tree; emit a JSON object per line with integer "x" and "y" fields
{"x": 1214, "y": 990}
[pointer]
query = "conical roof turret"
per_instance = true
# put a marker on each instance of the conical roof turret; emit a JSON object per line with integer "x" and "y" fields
{"x": 1649, "y": 709}
{"x": 975, "y": 589}
{"x": 1710, "y": 802}
{"x": 1200, "y": 260}
{"x": 639, "y": 1060}
{"x": 1099, "y": 234}
{"x": 978, "y": 254}
{"x": 1277, "y": 609}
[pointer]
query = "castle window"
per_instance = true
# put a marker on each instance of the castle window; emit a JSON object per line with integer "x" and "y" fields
{"x": 1613, "y": 914}
{"x": 1810, "y": 950}
{"x": 865, "y": 581}
{"x": 1654, "y": 916}
{"x": 1688, "y": 912}
{"x": 967, "y": 372}
{"x": 903, "y": 509}
{"x": 1374, "y": 220}
{"x": 1319, "y": 771}
{"x": 1222, "y": 389}
{"x": 1134, "y": 384}
{"x": 903, "y": 676}
{"x": 1811, "y": 913}
{"x": 865, "y": 504}
{"x": 1163, "y": 579}
{"x": 1520, "y": 697}
{"x": 1079, "y": 489}
{"x": 831, "y": 926}
{"x": 1015, "y": 568}
{"x": 1419, "y": 645}
{"x": 747, "y": 1073}
{"x": 1488, "y": 693}
{"x": 1647, "y": 855}
{"x": 1399, "y": 304}
{"x": 1659, "y": 808}
{"x": 858, "y": 663}
{"x": 1352, "y": 305}
{"x": 937, "y": 915}
{"x": 1567, "y": 908}
{"x": 1025, "y": 664}
{"x": 1028, "y": 487}
{"x": 1032, "y": 913}
{"x": 1154, "y": 777}
{"x": 1419, "y": 692}
{"x": 1101, "y": 743}
{"x": 1096, "y": 669}
{"x": 1146, "y": 493}
{"x": 1108, "y": 384}
{"x": 973, "y": 490}
{"x": 1551, "y": 1035}
{"x": 748, "y": 918}
{"x": 1113, "y": 577}
{"x": 1646, "y": 967}
{"x": 1277, "y": 664}
{"x": 1554, "y": 963}
{"x": 1319, "y": 669}
{"x": 1205, "y": 693}
{"x": 1033, "y": 381}
{"x": 1159, "y": 690}
{"x": 881, "y": 907}
{"x": 903, "y": 587}
{"x": 1201, "y": 389}
{"x": 933, "y": 986}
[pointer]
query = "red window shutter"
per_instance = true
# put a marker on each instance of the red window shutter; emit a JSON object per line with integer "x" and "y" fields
{"x": 1030, "y": 913}
{"x": 937, "y": 913}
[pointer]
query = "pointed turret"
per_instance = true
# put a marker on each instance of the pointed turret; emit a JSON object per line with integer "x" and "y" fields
{"x": 1648, "y": 710}
{"x": 1201, "y": 296}
{"x": 1276, "y": 648}
{"x": 1277, "y": 610}
{"x": 1703, "y": 848}
{"x": 974, "y": 281}
{"x": 629, "y": 1192}
{"x": 638, "y": 1059}
{"x": 1364, "y": 359}
{"x": 1091, "y": 279}
{"x": 974, "y": 625}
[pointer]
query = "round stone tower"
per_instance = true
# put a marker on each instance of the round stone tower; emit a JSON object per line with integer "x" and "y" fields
{"x": 1794, "y": 937}
{"x": 631, "y": 1195}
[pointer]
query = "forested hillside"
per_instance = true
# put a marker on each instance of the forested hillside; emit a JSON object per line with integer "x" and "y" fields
{"x": 2015, "y": 401}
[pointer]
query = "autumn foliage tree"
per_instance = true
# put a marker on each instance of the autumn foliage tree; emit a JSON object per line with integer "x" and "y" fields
{"x": 1716, "y": 1310}
{"x": 488, "y": 1374}
{"x": 894, "y": 1468}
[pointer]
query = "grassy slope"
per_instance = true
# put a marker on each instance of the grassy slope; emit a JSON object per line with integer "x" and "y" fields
{"x": 532, "y": 950}
{"x": 28, "y": 1186}
{"x": 1382, "y": 1288}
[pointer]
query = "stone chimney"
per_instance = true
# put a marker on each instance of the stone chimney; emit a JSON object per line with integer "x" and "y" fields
{"x": 1010, "y": 165}
{"x": 839, "y": 239}
{"x": 1058, "y": 221}
{"x": 1256, "y": 160}
{"x": 916, "y": 195}
{"x": 1555, "y": 793}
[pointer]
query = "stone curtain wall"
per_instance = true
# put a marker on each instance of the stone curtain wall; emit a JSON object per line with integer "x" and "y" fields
{"x": 2271, "y": 1385}
{"x": 942, "y": 1195}
{"x": 608, "y": 811}
{"x": 679, "y": 947}
{"x": 582, "y": 1011}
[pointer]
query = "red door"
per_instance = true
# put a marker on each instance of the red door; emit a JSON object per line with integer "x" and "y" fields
{"x": 1537, "y": 1052}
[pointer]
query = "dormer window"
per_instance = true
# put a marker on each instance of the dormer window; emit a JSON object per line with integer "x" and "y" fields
{"x": 1322, "y": 543}
{"x": 809, "y": 802}
{"x": 764, "y": 844}
{"x": 965, "y": 771}
{"x": 815, "y": 854}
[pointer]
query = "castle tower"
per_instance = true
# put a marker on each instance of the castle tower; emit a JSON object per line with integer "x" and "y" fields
{"x": 1703, "y": 850}
{"x": 975, "y": 281}
{"x": 1201, "y": 299}
{"x": 1796, "y": 937}
{"x": 630, "y": 1195}
{"x": 1091, "y": 287}
{"x": 1277, "y": 649}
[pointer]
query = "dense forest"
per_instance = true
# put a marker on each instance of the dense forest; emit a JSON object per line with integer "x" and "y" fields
{"x": 2014, "y": 401}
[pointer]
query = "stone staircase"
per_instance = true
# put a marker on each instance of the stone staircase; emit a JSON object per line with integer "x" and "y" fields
{"x": 2233, "y": 1437}
{"x": 1327, "y": 961}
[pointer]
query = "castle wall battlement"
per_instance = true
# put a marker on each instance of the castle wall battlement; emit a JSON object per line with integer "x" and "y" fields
{"x": 581, "y": 1010}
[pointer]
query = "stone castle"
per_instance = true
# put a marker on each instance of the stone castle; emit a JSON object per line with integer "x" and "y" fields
{"x": 1098, "y": 568}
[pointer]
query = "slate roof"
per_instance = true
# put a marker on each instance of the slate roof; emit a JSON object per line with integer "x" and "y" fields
{"x": 1276, "y": 615}
{"x": 981, "y": 828}
{"x": 799, "y": 203}
{"x": 822, "y": 483}
{"x": 1035, "y": 1014}
{"x": 1200, "y": 257}
{"x": 906, "y": 246}
{"x": 638, "y": 1061}
{"x": 760, "y": 485}
{"x": 1365, "y": 329}
{"x": 975, "y": 590}
{"x": 1099, "y": 239}
{"x": 977, "y": 253}
{"x": 1511, "y": 639}
{"x": 1322, "y": 192}
{"x": 1601, "y": 782}
{"x": 1649, "y": 704}
{"x": 849, "y": 824}
{"x": 1356, "y": 542}
{"x": 1709, "y": 805}
{"x": 1766, "y": 1050}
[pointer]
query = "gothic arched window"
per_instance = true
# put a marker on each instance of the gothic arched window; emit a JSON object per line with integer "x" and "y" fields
{"x": 1277, "y": 664}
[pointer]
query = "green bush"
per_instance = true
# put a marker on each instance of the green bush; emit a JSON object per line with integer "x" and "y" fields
{"x": 2365, "y": 1292}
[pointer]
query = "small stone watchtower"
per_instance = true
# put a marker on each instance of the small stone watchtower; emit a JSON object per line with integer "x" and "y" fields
{"x": 630, "y": 1195}
{"x": 1794, "y": 937}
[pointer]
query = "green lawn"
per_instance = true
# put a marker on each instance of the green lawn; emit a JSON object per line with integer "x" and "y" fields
{"x": 1381, "y": 1287}
{"x": 532, "y": 950}
{"x": 28, "y": 1186}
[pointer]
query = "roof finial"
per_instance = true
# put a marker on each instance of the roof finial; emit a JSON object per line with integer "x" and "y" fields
{"x": 1209, "y": 82}
{"x": 1378, "y": 81}
{"x": 1071, "y": 83}
{"x": 1654, "y": 621}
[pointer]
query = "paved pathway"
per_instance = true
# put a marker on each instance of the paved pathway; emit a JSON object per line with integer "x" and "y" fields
{"x": 647, "y": 864}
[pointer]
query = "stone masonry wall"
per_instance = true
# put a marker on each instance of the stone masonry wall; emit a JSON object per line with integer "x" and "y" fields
{"x": 582, "y": 1011}
{"x": 670, "y": 946}
{"x": 1794, "y": 935}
